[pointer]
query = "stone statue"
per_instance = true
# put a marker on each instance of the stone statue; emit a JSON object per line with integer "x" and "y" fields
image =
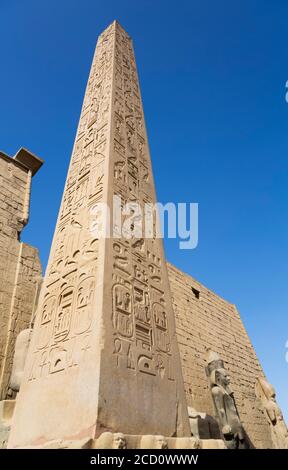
{"x": 223, "y": 399}
{"x": 153, "y": 442}
{"x": 108, "y": 440}
{"x": 20, "y": 353}
{"x": 160, "y": 442}
{"x": 187, "y": 443}
{"x": 119, "y": 441}
{"x": 267, "y": 395}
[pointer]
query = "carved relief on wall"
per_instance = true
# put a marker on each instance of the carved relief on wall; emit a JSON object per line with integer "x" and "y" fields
{"x": 46, "y": 323}
{"x": 64, "y": 314}
{"x": 59, "y": 358}
{"x": 138, "y": 260}
{"x": 161, "y": 327}
{"x": 123, "y": 351}
{"x": 122, "y": 319}
{"x": 142, "y": 305}
{"x": 121, "y": 255}
{"x": 84, "y": 306}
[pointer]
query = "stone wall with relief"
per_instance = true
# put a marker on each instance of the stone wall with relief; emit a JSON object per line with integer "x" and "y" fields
{"x": 20, "y": 268}
{"x": 205, "y": 320}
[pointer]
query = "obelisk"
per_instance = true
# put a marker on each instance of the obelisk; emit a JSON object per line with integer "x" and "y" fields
{"x": 104, "y": 355}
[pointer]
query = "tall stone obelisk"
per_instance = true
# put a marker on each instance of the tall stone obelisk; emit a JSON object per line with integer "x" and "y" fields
{"x": 104, "y": 354}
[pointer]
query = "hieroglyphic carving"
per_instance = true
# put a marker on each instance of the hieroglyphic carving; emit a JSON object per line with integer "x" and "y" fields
{"x": 60, "y": 357}
{"x": 161, "y": 324}
{"x": 124, "y": 354}
{"x": 66, "y": 311}
{"x": 121, "y": 253}
{"x": 45, "y": 329}
{"x": 139, "y": 260}
{"x": 85, "y": 294}
{"x": 142, "y": 305}
{"x": 64, "y": 314}
{"x": 122, "y": 310}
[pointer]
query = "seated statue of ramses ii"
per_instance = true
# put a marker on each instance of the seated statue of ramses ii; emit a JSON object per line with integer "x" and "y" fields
{"x": 230, "y": 425}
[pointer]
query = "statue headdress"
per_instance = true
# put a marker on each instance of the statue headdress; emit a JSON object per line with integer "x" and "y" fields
{"x": 214, "y": 362}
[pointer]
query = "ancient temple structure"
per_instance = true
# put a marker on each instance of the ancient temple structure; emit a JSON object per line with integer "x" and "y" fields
{"x": 118, "y": 354}
{"x": 206, "y": 321}
{"x": 20, "y": 268}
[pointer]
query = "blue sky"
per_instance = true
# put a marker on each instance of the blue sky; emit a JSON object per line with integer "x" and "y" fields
{"x": 213, "y": 80}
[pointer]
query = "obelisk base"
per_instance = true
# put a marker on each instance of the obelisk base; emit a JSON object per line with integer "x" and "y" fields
{"x": 109, "y": 440}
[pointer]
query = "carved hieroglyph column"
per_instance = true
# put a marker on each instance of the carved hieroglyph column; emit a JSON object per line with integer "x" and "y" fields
{"x": 104, "y": 354}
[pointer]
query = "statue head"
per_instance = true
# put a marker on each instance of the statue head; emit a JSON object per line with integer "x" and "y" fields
{"x": 216, "y": 371}
{"x": 119, "y": 441}
{"x": 153, "y": 442}
{"x": 264, "y": 390}
{"x": 187, "y": 443}
{"x": 214, "y": 362}
{"x": 108, "y": 440}
{"x": 160, "y": 442}
{"x": 222, "y": 377}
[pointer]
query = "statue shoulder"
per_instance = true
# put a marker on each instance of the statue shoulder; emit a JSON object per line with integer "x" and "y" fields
{"x": 216, "y": 391}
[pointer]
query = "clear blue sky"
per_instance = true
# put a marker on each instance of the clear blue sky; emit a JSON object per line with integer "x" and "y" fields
{"x": 213, "y": 80}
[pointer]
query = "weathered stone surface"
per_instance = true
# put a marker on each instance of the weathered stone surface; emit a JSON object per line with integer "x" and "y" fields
{"x": 6, "y": 410}
{"x": 6, "y": 414}
{"x": 153, "y": 442}
{"x": 184, "y": 443}
{"x": 109, "y": 440}
{"x": 62, "y": 444}
{"x": 265, "y": 392}
{"x": 20, "y": 354}
{"x": 205, "y": 320}
{"x": 202, "y": 425}
{"x": 104, "y": 354}
{"x": 20, "y": 268}
{"x": 213, "y": 444}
